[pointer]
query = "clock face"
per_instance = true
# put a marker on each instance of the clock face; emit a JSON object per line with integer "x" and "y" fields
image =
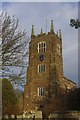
{"x": 41, "y": 57}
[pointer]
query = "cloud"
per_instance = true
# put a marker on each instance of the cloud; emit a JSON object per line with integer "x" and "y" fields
{"x": 0, "y": 8}
{"x": 61, "y": 13}
{"x": 40, "y": 0}
{"x": 70, "y": 61}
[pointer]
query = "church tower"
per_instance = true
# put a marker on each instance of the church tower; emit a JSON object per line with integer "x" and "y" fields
{"x": 45, "y": 64}
{"x": 45, "y": 68}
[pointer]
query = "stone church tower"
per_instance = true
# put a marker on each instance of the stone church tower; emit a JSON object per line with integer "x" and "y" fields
{"x": 45, "y": 70}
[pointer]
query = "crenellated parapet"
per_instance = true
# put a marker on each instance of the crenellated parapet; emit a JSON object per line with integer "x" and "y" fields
{"x": 33, "y": 35}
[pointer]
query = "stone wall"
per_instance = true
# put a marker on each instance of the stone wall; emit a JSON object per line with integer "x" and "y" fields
{"x": 65, "y": 115}
{"x": 51, "y": 79}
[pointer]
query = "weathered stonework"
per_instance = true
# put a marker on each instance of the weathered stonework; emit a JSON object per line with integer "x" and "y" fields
{"x": 63, "y": 115}
{"x": 52, "y": 79}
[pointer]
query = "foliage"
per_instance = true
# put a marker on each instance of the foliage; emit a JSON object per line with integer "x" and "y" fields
{"x": 73, "y": 99}
{"x": 75, "y": 23}
{"x": 9, "y": 98}
{"x": 14, "y": 48}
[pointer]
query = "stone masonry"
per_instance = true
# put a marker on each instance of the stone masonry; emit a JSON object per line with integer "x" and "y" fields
{"x": 45, "y": 72}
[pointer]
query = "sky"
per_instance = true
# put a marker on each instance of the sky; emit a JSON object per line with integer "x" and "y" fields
{"x": 40, "y": 0}
{"x": 37, "y": 13}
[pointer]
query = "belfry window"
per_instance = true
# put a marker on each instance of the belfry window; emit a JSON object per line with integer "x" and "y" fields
{"x": 41, "y": 68}
{"x": 58, "y": 49}
{"x": 41, "y": 47}
{"x": 40, "y": 91}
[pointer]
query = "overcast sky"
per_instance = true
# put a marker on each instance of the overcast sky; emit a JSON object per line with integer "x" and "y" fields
{"x": 39, "y": 0}
{"x": 60, "y": 12}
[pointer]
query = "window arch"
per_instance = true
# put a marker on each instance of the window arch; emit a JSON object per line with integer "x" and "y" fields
{"x": 41, "y": 91}
{"x": 41, "y": 68}
{"x": 41, "y": 47}
{"x": 58, "y": 49}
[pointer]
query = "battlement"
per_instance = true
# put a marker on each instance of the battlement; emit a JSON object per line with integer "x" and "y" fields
{"x": 33, "y": 35}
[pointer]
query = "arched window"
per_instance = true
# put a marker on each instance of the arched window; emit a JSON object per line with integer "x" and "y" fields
{"x": 58, "y": 49}
{"x": 41, "y": 47}
{"x": 41, "y": 68}
{"x": 41, "y": 91}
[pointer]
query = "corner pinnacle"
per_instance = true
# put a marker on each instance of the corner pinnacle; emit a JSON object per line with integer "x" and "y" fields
{"x": 32, "y": 32}
{"x": 52, "y": 27}
{"x": 60, "y": 34}
{"x": 41, "y": 31}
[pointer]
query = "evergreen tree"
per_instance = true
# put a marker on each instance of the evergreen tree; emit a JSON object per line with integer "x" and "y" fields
{"x": 9, "y": 98}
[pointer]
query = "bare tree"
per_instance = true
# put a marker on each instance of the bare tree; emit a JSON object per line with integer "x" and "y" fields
{"x": 13, "y": 45}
